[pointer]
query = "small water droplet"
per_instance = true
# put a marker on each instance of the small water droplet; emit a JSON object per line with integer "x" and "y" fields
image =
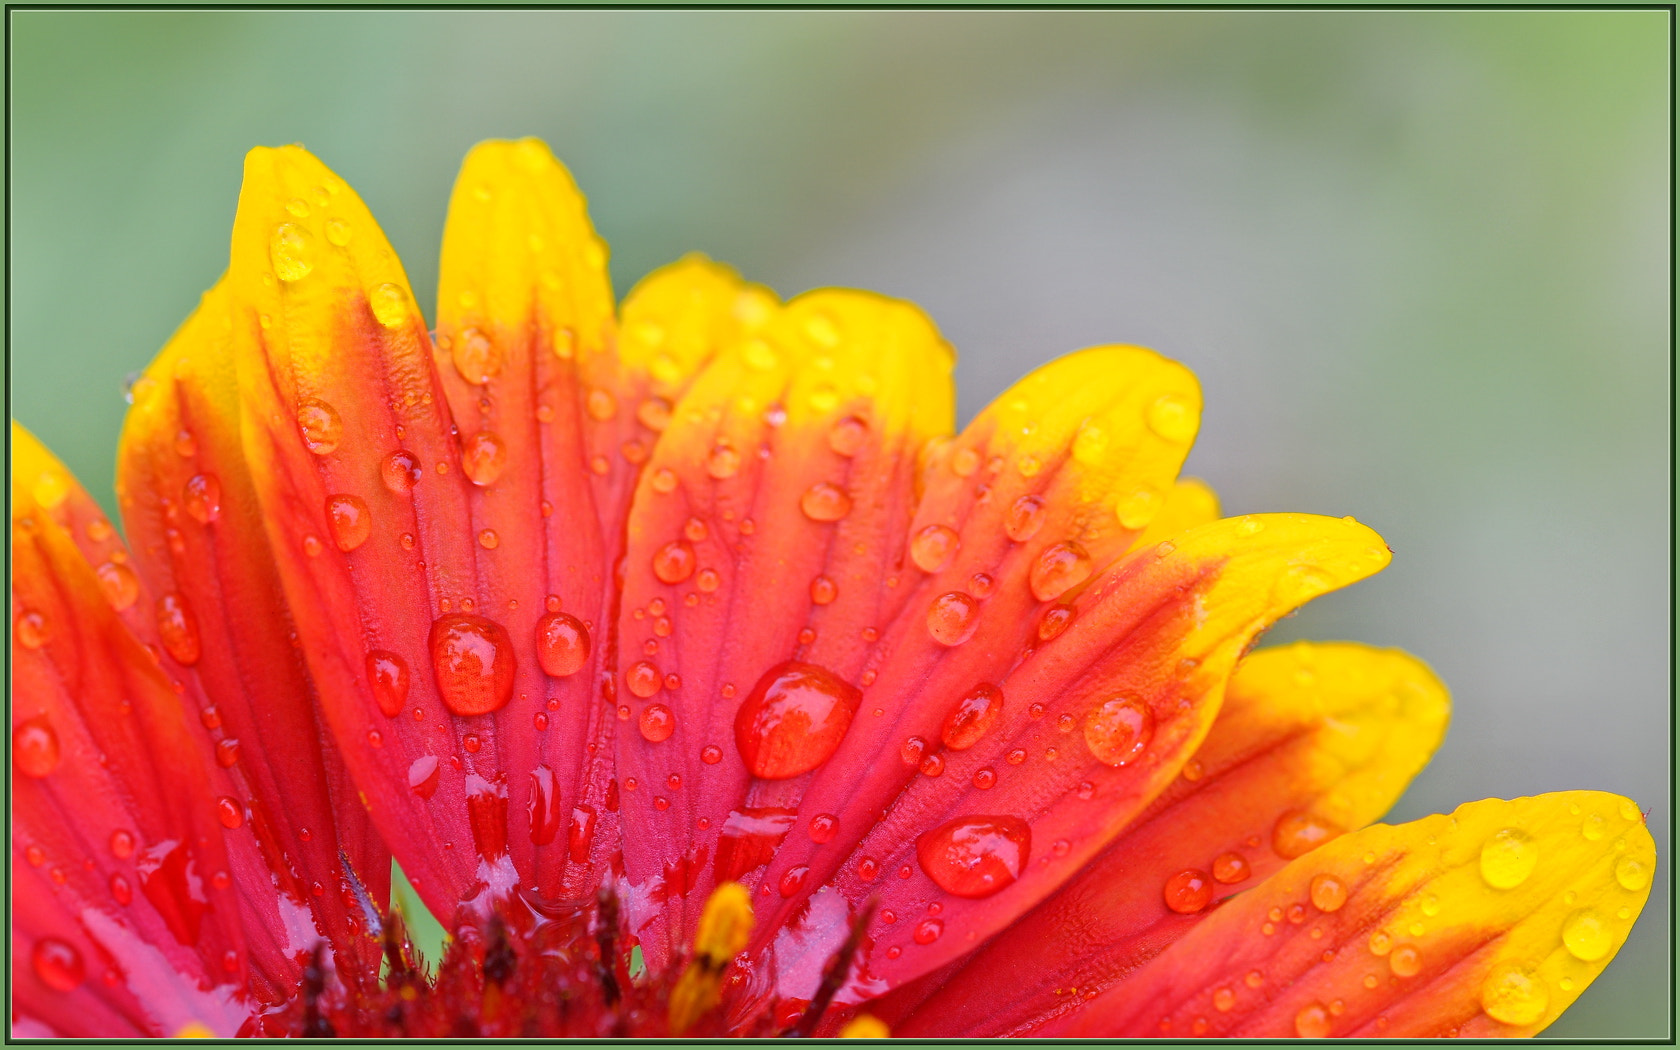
{"x": 230, "y": 813}
{"x": 320, "y": 425}
{"x": 822, "y": 827}
{"x": 483, "y": 458}
{"x": 349, "y": 520}
{"x": 338, "y": 232}
{"x": 1632, "y": 873}
{"x": 953, "y": 618}
{"x": 972, "y": 716}
{"x": 642, "y": 679}
{"x": 793, "y": 880}
{"x": 562, "y": 644}
{"x": 823, "y": 590}
{"x": 825, "y": 502}
{"x": 1312, "y": 1021}
{"x": 975, "y": 856}
{"x": 423, "y": 775}
{"x": 1327, "y": 892}
{"x": 35, "y": 750}
{"x": 657, "y": 723}
{"x": 122, "y": 891}
{"x": 178, "y": 629}
{"x": 473, "y": 664}
{"x": 388, "y": 678}
{"x": 119, "y": 583}
{"x": 1230, "y": 868}
{"x": 1059, "y": 568}
{"x": 1188, "y": 892}
{"x": 1119, "y": 730}
{"x": 674, "y": 562}
{"x": 934, "y": 547}
{"x": 122, "y": 844}
{"x": 476, "y": 357}
{"x": 984, "y": 779}
{"x": 227, "y": 753}
{"x": 1587, "y": 936}
{"x": 289, "y": 249}
{"x": 1224, "y": 999}
{"x": 847, "y": 436}
{"x": 186, "y": 445}
{"x": 711, "y": 754}
{"x": 927, "y": 931}
{"x": 793, "y": 720}
{"x": 1297, "y": 833}
{"x": 723, "y": 461}
{"x": 1513, "y": 994}
{"x": 1172, "y": 418}
{"x": 58, "y": 964}
{"x": 1405, "y": 960}
{"x": 401, "y": 471}
{"x": 1508, "y": 858}
{"x": 390, "y": 305}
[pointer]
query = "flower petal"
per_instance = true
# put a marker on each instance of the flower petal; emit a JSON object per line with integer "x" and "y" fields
{"x": 1333, "y": 732}
{"x": 1485, "y": 923}
{"x": 767, "y": 533}
{"x": 1094, "y": 723}
{"x": 211, "y": 603}
{"x": 123, "y": 904}
{"x": 1189, "y": 503}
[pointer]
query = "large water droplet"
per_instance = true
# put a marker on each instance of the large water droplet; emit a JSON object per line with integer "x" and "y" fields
{"x": 1057, "y": 569}
{"x": 178, "y": 629}
{"x": 473, "y": 661}
{"x": 972, "y": 716}
{"x": 975, "y": 856}
{"x": 119, "y": 583}
{"x": 1188, "y": 892}
{"x": 1587, "y": 935}
{"x": 953, "y": 618}
{"x": 423, "y": 775}
{"x": 1118, "y": 731}
{"x": 57, "y": 964}
{"x": 1404, "y": 960}
{"x": 1327, "y": 892}
{"x": 35, "y": 748}
{"x": 793, "y": 720}
{"x": 401, "y": 471}
{"x": 320, "y": 425}
{"x": 31, "y": 630}
{"x": 1172, "y": 418}
{"x": 657, "y": 723}
{"x": 1632, "y": 873}
{"x": 390, "y": 306}
{"x": 230, "y": 813}
{"x": 476, "y": 357}
{"x": 580, "y": 832}
{"x": 1297, "y": 833}
{"x": 388, "y": 677}
{"x": 1312, "y": 1021}
{"x": 642, "y": 679}
{"x": 1508, "y": 858}
{"x": 1513, "y": 994}
{"x": 933, "y": 548}
{"x": 562, "y": 644}
{"x": 202, "y": 496}
{"x": 1231, "y": 868}
{"x": 483, "y": 458}
{"x": 350, "y": 521}
{"x": 674, "y": 562}
{"x": 544, "y": 806}
{"x": 1024, "y": 518}
{"x": 825, "y": 501}
{"x": 289, "y": 249}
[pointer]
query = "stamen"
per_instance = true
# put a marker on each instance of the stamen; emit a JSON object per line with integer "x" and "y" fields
{"x": 725, "y": 926}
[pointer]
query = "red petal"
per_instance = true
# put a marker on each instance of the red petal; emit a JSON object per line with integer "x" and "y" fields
{"x": 1334, "y": 731}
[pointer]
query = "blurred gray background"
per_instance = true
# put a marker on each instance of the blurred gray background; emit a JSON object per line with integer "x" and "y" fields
{"x": 1420, "y": 261}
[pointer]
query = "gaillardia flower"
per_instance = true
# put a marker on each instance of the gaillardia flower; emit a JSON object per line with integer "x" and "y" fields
{"x": 687, "y": 632}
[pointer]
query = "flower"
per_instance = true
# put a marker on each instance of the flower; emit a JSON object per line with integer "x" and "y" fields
{"x": 688, "y": 626}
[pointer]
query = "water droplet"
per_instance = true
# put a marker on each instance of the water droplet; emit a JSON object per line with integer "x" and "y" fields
{"x": 1312, "y": 1021}
{"x": 1172, "y": 418}
{"x": 1118, "y": 731}
{"x": 1139, "y": 509}
{"x": 1224, "y": 999}
{"x": 1513, "y": 994}
{"x": 401, "y": 471}
{"x": 562, "y": 644}
{"x": 1059, "y": 568}
{"x": 390, "y": 305}
{"x": 723, "y": 461}
{"x": 847, "y": 436}
{"x": 953, "y": 618}
{"x": 349, "y": 521}
{"x": 338, "y": 232}
{"x": 1508, "y": 858}
{"x": 793, "y": 720}
{"x": 488, "y": 539}
{"x": 1297, "y": 833}
{"x": 1632, "y": 873}
{"x": 230, "y": 813}
{"x": 793, "y": 880}
{"x": 122, "y": 891}
{"x": 476, "y": 357}
{"x": 57, "y": 964}
{"x": 1230, "y": 868}
{"x": 423, "y": 775}
{"x": 178, "y": 629}
{"x": 1405, "y": 960}
{"x": 227, "y": 753}
{"x": 543, "y": 807}
{"x": 35, "y": 749}
{"x": 975, "y": 856}
{"x": 1024, "y": 518}
{"x": 289, "y": 250}
{"x": 186, "y": 445}
{"x": 972, "y": 716}
{"x": 320, "y": 425}
{"x": 1188, "y": 892}
{"x": 928, "y": 930}
{"x": 1090, "y": 444}
{"x": 674, "y": 562}
{"x": 600, "y": 405}
{"x": 1327, "y": 892}
{"x": 825, "y": 501}
{"x": 119, "y": 583}
{"x": 473, "y": 662}
{"x": 822, "y": 827}
{"x": 122, "y": 844}
{"x": 657, "y": 723}
{"x": 934, "y": 547}
{"x": 1587, "y": 936}
{"x": 483, "y": 458}
{"x": 388, "y": 677}
{"x": 823, "y": 590}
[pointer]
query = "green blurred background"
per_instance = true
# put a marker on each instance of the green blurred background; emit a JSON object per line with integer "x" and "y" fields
{"x": 1420, "y": 261}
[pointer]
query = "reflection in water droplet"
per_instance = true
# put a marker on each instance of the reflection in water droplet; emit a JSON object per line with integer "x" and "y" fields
{"x": 975, "y": 856}
{"x": 476, "y": 357}
{"x": 1632, "y": 873}
{"x": 1172, "y": 418}
{"x": 390, "y": 306}
{"x": 543, "y": 808}
{"x": 1059, "y": 568}
{"x": 793, "y": 720}
{"x": 1327, "y": 892}
{"x": 657, "y": 723}
{"x": 723, "y": 461}
{"x": 473, "y": 664}
{"x": 289, "y": 249}
{"x": 1587, "y": 936}
{"x": 1297, "y": 833}
{"x": 822, "y": 827}
{"x": 847, "y": 436}
{"x": 674, "y": 562}
{"x": 1508, "y": 858}
{"x": 1312, "y": 1021}
{"x": 1230, "y": 868}
{"x": 823, "y": 590}
{"x": 642, "y": 679}
{"x": 1405, "y": 960}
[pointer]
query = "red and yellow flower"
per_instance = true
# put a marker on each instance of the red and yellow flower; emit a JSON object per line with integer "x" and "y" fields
{"x": 689, "y": 626}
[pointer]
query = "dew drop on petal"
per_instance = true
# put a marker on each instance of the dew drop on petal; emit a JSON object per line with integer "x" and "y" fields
{"x": 320, "y": 425}
{"x": 1024, "y": 518}
{"x": 723, "y": 461}
{"x": 401, "y": 471}
{"x": 657, "y": 723}
{"x": 1513, "y": 994}
{"x": 388, "y": 678}
{"x": 1188, "y": 892}
{"x": 338, "y": 232}
{"x": 119, "y": 583}
{"x": 1327, "y": 892}
{"x": 1587, "y": 935}
{"x": 543, "y": 807}
{"x": 35, "y": 749}
{"x": 227, "y": 753}
{"x": 928, "y": 930}
{"x": 847, "y": 436}
{"x": 1054, "y": 621}
{"x": 1230, "y": 868}
{"x": 476, "y": 357}
{"x": 1057, "y": 569}
{"x": 823, "y": 590}
{"x": 1404, "y": 960}
{"x": 642, "y": 679}
{"x": 674, "y": 562}
{"x": 600, "y": 405}
{"x": 202, "y": 498}
{"x": 473, "y": 663}
{"x": 975, "y": 856}
{"x": 57, "y": 964}
{"x": 423, "y": 775}
{"x": 934, "y": 547}
{"x": 1508, "y": 858}
{"x": 972, "y": 716}
{"x": 178, "y": 629}
{"x": 390, "y": 305}
{"x": 793, "y": 720}
{"x": 349, "y": 520}
{"x": 122, "y": 844}
{"x": 230, "y": 813}
{"x": 1312, "y": 1021}
{"x": 825, "y": 502}
{"x": 1172, "y": 418}
{"x": 822, "y": 827}
{"x": 953, "y": 618}
{"x": 289, "y": 249}
{"x": 562, "y": 644}
{"x": 711, "y": 754}
{"x": 483, "y": 458}
{"x": 1632, "y": 873}
{"x": 1118, "y": 731}
{"x": 1297, "y": 833}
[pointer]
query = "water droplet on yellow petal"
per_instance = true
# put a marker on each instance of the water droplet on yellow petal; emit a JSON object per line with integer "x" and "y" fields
{"x": 289, "y": 250}
{"x": 1508, "y": 858}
